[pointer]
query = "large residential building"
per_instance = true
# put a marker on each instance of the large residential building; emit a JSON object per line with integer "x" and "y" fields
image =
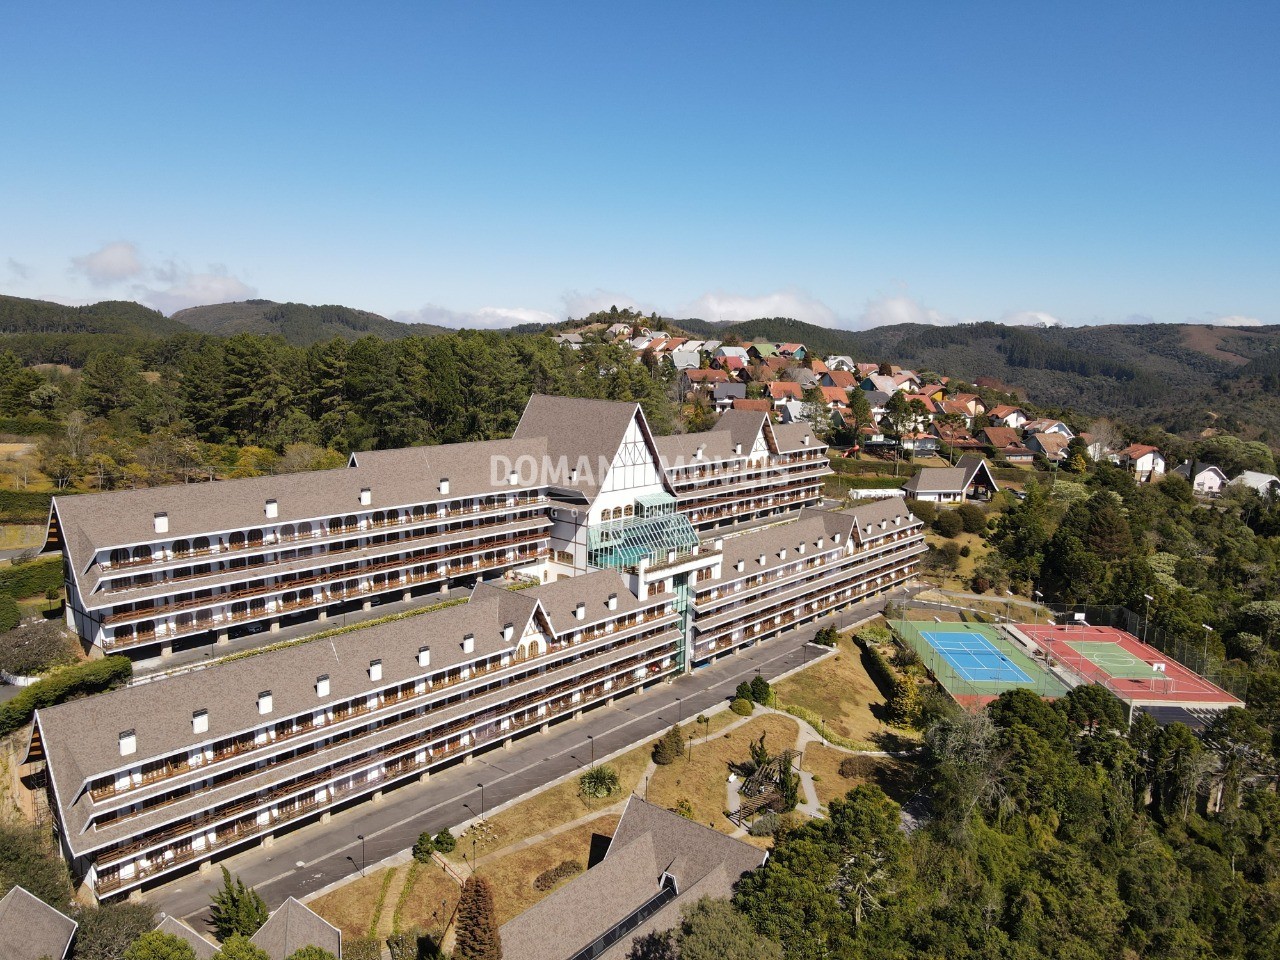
{"x": 601, "y": 522}
{"x": 152, "y": 571}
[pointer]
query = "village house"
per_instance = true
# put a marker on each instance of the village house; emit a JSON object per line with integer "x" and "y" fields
{"x": 1205, "y": 479}
{"x": 1265, "y": 484}
{"x": 1144, "y": 461}
{"x": 1007, "y": 416}
{"x": 839, "y": 362}
{"x": 701, "y": 381}
{"x": 1048, "y": 425}
{"x": 725, "y": 394}
{"x": 1052, "y": 446}
{"x": 1007, "y": 442}
{"x": 969, "y": 479}
{"x": 844, "y": 379}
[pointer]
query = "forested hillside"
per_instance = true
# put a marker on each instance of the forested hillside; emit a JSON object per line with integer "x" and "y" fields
{"x": 299, "y": 323}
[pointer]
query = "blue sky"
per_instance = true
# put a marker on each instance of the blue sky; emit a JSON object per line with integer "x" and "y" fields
{"x": 844, "y": 163}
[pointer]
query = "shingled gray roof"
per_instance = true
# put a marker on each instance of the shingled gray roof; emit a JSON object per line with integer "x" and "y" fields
{"x": 577, "y": 429}
{"x": 293, "y": 926}
{"x": 648, "y": 842}
{"x": 204, "y": 949}
{"x": 31, "y": 929}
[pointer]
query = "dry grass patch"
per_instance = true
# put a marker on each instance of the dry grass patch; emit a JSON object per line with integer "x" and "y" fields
{"x": 891, "y": 774}
{"x": 20, "y": 536}
{"x": 552, "y": 807}
{"x": 430, "y": 901}
{"x": 840, "y": 691}
{"x": 701, "y": 782}
{"x": 350, "y": 908}
{"x": 512, "y": 875}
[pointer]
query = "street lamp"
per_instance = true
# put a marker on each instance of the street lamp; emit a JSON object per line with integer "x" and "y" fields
{"x": 1146, "y": 617}
{"x": 481, "y": 786}
{"x": 1204, "y": 666}
{"x": 360, "y": 837}
{"x": 593, "y": 750}
{"x": 679, "y": 711}
{"x": 1035, "y": 612}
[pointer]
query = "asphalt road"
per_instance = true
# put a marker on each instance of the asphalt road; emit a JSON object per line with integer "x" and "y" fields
{"x": 315, "y": 856}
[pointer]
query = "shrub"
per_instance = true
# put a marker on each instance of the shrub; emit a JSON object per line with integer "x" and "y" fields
{"x": 361, "y": 948}
{"x": 668, "y": 749}
{"x": 411, "y": 944}
{"x": 979, "y": 584}
{"x": 951, "y": 554}
{"x": 765, "y": 826}
{"x": 743, "y": 692}
{"x": 423, "y": 848}
{"x": 239, "y": 947}
{"x": 948, "y": 523}
{"x": 236, "y": 908}
{"x": 826, "y": 637}
{"x": 547, "y": 879}
{"x": 966, "y": 550}
{"x": 972, "y": 517}
{"x": 311, "y": 953}
{"x": 33, "y": 649}
{"x": 445, "y": 841}
{"x": 761, "y": 692}
{"x": 10, "y": 615}
{"x": 925, "y": 512}
{"x": 851, "y": 768}
{"x": 601, "y": 781}
{"x": 684, "y": 808}
{"x": 31, "y": 578}
{"x": 92, "y": 676}
{"x": 741, "y": 706}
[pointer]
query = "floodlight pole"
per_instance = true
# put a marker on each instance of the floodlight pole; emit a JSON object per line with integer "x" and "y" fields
{"x": 1035, "y": 611}
{"x": 1204, "y": 663}
{"x": 1146, "y": 617}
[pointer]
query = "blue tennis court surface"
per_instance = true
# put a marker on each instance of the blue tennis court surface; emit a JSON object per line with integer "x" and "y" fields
{"x": 974, "y": 657}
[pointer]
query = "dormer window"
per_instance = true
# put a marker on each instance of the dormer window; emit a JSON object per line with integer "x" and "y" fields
{"x": 322, "y": 685}
{"x": 508, "y": 630}
{"x": 375, "y": 669}
{"x": 128, "y": 743}
{"x": 264, "y": 702}
{"x": 200, "y": 721}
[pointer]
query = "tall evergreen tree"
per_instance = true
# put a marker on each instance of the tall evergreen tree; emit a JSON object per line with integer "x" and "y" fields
{"x": 478, "y": 937}
{"x": 236, "y": 908}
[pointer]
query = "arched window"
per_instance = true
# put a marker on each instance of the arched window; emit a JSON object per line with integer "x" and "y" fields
{"x": 142, "y": 553}
{"x": 237, "y": 540}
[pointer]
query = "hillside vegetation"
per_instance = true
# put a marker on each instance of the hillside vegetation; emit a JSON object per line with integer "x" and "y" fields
{"x": 19, "y": 315}
{"x": 299, "y": 323}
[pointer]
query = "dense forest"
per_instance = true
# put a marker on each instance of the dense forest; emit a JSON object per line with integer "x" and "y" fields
{"x": 198, "y": 406}
{"x": 300, "y": 324}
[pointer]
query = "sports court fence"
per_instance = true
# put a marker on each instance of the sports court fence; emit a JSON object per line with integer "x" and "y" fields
{"x": 974, "y": 693}
{"x": 1193, "y": 655}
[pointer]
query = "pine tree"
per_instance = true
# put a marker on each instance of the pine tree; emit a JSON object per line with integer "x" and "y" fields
{"x": 236, "y": 908}
{"x": 668, "y": 749}
{"x": 478, "y": 937}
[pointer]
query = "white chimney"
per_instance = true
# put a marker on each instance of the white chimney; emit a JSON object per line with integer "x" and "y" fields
{"x": 718, "y": 546}
{"x": 264, "y": 702}
{"x": 762, "y": 559}
{"x": 375, "y": 669}
{"x": 366, "y": 496}
{"x": 737, "y": 448}
{"x": 507, "y": 630}
{"x": 800, "y": 549}
{"x": 697, "y": 454}
{"x": 469, "y": 643}
{"x": 821, "y": 542}
{"x": 835, "y": 538}
{"x": 805, "y": 441}
{"x": 580, "y": 611}
{"x": 782, "y": 554}
{"x": 272, "y": 509}
{"x": 200, "y": 721}
{"x": 613, "y": 601}
{"x": 424, "y": 656}
{"x": 513, "y": 478}
{"x": 128, "y": 743}
{"x": 740, "y": 565}
{"x": 444, "y": 485}
{"x": 162, "y": 522}
{"x": 322, "y": 685}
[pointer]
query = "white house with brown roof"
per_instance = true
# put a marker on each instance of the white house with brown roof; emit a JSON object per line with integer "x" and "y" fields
{"x": 1144, "y": 461}
{"x": 969, "y": 479}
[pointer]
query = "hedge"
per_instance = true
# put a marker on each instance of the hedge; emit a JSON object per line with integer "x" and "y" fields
{"x": 32, "y": 578}
{"x": 92, "y": 676}
{"x": 857, "y": 467}
{"x": 547, "y": 879}
{"x": 24, "y": 506}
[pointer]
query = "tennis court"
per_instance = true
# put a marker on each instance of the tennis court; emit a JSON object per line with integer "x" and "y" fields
{"x": 974, "y": 657}
{"x": 1138, "y": 674}
{"x": 975, "y": 662}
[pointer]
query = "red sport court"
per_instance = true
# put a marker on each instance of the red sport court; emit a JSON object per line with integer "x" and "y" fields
{"x": 1138, "y": 674}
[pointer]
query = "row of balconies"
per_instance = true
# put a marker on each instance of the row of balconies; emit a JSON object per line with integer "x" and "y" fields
{"x": 699, "y": 513}
{"x": 249, "y": 742}
{"x": 335, "y": 550}
{"x": 323, "y": 530}
{"x": 326, "y": 575}
{"x": 560, "y": 694}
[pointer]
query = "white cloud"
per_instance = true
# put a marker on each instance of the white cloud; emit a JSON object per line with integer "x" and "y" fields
{"x": 888, "y": 311}
{"x": 1236, "y": 321}
{"x": 109, "y": 264}
{"x": 189, "y": 289}
{"x": 484, "y": 317}
{"x": 734, "y": 307}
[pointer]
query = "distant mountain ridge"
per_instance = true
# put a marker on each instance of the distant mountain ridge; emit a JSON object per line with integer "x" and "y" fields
{"x": 18, "y": 315}
{"x": 299, "y": 323}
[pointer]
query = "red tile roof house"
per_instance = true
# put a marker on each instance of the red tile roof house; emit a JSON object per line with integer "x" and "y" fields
{"x": 759, "y": 406}
{"x": 818, "y": 367}
{"x": 835, "y": 396}
{"x": 1007, "y": 442}
{"x": 701, "y": 381}
{"x": 1145, "y": 462}
{"x": 780, "y": 390}
{"x": 843, "y": 379}
{"x": 730, "y": 364}
{"x": 1007, "y": 416}
{"x": 972, "y": 403}
{"x": 957, "y": 437}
